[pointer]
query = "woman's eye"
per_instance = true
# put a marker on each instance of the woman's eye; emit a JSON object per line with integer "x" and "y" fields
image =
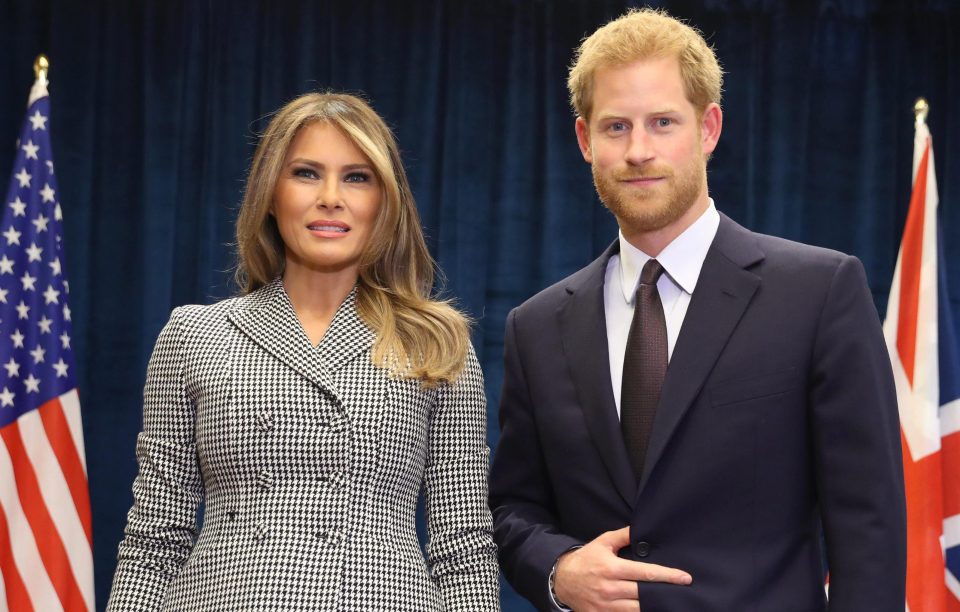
{"x": 357, "y": 177}
{"x": 304, "y": 173}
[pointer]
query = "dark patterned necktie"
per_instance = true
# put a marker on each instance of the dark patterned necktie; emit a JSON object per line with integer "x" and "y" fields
{"x": 644, "y": 366}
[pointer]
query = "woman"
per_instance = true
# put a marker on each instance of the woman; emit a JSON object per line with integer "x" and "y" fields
{"x": 309, "y": 413}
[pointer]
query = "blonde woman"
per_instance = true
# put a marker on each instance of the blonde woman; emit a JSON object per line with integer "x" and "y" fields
{"x": 309, "y": 413}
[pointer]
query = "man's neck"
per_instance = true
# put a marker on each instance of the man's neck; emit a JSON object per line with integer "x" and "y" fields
{"x": 653, "y": 242}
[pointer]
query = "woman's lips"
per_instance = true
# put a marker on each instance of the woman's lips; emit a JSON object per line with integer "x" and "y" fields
{"x": 330, "y": 229}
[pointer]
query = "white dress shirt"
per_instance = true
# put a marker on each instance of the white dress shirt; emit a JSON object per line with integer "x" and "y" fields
{"x": 682, "y": 260}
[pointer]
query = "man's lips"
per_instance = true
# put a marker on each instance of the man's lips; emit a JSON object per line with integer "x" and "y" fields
{"x": 642, "y": 181}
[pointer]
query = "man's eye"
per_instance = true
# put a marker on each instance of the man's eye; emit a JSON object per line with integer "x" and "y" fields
{"x": 357, "y": 177}
{"x": 617, "y": 126}
{"x": 664, "y": 122}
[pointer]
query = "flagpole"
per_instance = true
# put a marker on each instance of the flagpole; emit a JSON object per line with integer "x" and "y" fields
{"x": 920, "y": 109}
{"x": 41, "y": 66}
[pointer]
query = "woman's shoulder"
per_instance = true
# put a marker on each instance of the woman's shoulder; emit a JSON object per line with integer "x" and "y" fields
{"x": 207, "y": 316}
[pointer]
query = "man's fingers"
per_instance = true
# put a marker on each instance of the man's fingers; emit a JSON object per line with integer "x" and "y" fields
{"x": 615, "y": 539}
{"x": 650, "y": 572}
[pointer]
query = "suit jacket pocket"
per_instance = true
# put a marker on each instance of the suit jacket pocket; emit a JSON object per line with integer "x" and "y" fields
{"x": 753, "y": 387}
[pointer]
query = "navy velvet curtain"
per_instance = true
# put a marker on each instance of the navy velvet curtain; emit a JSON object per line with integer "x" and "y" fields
{"x": 156, "y": 106}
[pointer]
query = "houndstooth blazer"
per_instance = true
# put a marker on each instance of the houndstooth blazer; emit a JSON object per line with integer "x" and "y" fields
{"x": 309, "y": 461}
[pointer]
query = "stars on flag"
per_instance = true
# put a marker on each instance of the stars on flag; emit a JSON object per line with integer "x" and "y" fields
{"x": 35, "y": 336}
{"x": 19, "y": 207}
{"x": 32, "y": 383}
{"x": 41, "y": 223}
{"x": 38, "y": 121}
{"x": 37, "y": 353}
{"x": 47, "y": 193}
{"x": 61, "y": 367}
{"x": 30, "y": 150}
{"x": 33, "y": 253}
{"x": 51, "y": 295}
{"x": 28, "y": 282}
{"x": 23, "y": 178}
{"x": 12, "y": 236}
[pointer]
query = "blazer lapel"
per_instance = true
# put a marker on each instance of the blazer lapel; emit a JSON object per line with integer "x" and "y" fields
{"x": 724, "y": 289}
{"x": 347, "y": 337}
{"x": 583, "y": 333}
{"x": 267, "y": 317}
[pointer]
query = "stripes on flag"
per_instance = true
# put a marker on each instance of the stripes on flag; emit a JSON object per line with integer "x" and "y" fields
{"x": 922, "y": 344}
{"x": 46, "y": 555}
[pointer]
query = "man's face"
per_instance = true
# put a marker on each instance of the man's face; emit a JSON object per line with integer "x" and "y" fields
{"x": 646, "y": 145}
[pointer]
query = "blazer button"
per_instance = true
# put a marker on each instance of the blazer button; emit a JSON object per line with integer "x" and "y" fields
{"x": 265, "y": 480}
{"x": 642, "y": 549}
{"x": 265, "y": 420}
{"x": 260, "y": 533}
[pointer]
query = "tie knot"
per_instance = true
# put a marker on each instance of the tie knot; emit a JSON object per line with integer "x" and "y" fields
{"x": 651, "y": 272}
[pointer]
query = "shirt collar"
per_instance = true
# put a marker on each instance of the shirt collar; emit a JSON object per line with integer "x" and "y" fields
{"x": 682, "y": 259}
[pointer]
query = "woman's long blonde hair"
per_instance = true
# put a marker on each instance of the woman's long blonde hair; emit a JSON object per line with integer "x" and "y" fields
{"x": 418, "y": 336}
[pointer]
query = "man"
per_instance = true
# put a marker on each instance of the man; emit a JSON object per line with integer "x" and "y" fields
{"x": 771, "y": 442}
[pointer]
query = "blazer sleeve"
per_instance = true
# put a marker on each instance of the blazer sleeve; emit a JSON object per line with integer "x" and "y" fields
{"x": 525, "y": 524}
{"x": 162, "y": 524}
{"x": 857, "y": 451}
{"x": 460, "y": 548}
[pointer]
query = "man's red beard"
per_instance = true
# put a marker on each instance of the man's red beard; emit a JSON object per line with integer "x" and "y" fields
{"x": 641, "y": 209}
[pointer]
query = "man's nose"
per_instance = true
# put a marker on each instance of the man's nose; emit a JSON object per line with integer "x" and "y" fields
{"x": 640, "y": 149}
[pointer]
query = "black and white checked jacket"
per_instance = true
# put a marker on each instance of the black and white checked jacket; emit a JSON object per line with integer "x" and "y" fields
{"x": 309, "y": 461}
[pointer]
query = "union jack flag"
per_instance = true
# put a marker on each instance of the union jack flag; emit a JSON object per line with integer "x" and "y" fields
{"x": 923, "y": 349}
{"x": 46, "y": 558}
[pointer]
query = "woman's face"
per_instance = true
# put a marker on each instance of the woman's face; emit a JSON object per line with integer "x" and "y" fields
{"x": 325, "y": 201}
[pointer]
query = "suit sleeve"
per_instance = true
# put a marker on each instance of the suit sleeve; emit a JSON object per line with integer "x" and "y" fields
{"x": 162, "y": 524}
{"x": 857, "y": 450}
{"x": 525, "y": 524}
{"x": 460, "y": 548}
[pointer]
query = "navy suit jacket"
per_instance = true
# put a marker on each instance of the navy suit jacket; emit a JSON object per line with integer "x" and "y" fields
{"x": 775, "y": 447}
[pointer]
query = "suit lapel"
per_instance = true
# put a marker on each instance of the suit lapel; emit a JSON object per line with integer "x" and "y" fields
{"x": 267, "y": 317}
{"x": 583, "y": 333}
{"x": 724, "y": 289}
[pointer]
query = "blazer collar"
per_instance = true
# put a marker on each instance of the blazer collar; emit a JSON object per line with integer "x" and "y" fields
{"x": 267, "y": 317}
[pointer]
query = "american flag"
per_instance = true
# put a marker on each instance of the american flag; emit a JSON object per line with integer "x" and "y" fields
{"x": 46, "y": 556}
{"x": 923, "y": 350}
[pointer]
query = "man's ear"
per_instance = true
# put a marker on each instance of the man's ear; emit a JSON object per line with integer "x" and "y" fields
{"x": 711, "y": 124}
{"x": 583, "y": 139}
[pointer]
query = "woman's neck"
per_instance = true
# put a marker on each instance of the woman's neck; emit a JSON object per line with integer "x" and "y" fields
{"x": 316, "y": 295}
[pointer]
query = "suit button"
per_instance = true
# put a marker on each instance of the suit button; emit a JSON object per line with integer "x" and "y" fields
{"x": 260, "y": 533}
{"x": 642, "y": 549}
{"x": 265, "y": 480}
{"x": 265, "y": 420}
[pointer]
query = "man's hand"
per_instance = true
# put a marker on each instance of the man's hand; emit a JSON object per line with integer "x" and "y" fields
{"x": 595, "y": 578}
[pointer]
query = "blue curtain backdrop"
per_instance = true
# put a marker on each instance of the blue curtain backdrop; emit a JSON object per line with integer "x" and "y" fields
{"x": 156, "y": 106}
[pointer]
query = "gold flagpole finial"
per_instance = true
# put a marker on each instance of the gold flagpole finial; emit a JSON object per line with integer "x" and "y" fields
{"x": 921, "y": 109}
{"x": 41, "y": 66}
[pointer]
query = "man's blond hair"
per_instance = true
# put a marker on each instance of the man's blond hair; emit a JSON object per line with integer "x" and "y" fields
{"x": 645, "y": 34}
